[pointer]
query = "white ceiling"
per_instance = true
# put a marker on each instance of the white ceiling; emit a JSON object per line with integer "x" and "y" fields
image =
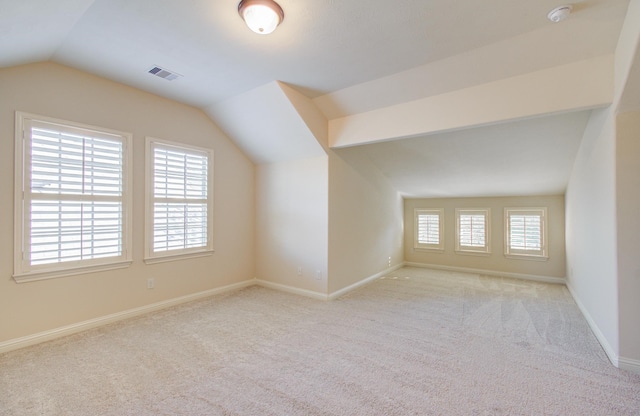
{"x": 321, "y": 47}
{"x": 348, "y": 56}
{"x": 268, "y": 140}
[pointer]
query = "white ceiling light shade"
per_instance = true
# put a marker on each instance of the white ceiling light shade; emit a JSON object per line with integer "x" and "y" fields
{"x": 559, "y": 13}
{"x": 261, "y": 16}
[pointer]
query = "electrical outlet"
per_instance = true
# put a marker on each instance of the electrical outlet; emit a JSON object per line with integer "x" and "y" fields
{"x": 318, "y": 275}
{"x": 299, "y": 271}
{"x": 151, "y": 283}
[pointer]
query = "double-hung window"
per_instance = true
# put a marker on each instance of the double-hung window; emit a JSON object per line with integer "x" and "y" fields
{"x": 72, "y": 198}
{"x": 526, "y": 233}
{"x": 473, "y": 231}
{"x": 179, "y": 201}
{"x": 429, "y": 225}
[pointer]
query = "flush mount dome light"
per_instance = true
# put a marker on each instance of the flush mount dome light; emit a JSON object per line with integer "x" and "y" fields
{"x": 262, "y": 16}
{"x": 559, "y": 13}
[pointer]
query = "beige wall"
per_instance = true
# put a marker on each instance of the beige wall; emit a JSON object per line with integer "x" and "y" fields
{"x": 365, "y": 212}
{"x": 628, "y": 208}
{"x": 292, "y": 223}
{"x": 602, "y": 207}
{"x": 57, "y": 91}
{"x": 591, "y": 229}
{"x": 365, "y": 220}
{"x": 496, "y": 261}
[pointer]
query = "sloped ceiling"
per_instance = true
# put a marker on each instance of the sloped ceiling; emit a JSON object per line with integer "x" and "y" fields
{"x": 266, "y": 126}
{"x": 528, "y": 157}
{"x": 323, "y": 46}
{"x": 349, "y": 57}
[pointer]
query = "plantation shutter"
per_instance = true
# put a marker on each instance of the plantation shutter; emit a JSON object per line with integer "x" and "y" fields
{"x": 429, "y": 229}
{"x": 180, "y": 198}
{"x": 525, "y": 232}
{"x": 73, "y": 194}
{"x": 472, "y": 230}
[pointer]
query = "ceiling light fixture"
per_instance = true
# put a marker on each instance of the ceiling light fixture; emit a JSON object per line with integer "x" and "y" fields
{"x": 262, "y": 16}
{"x": 559, "y": 13}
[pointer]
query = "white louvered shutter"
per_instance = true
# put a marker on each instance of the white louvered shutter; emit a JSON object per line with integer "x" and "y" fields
{"x": 525, "y": 232}
{"x": 180, "y": 198}
{"x": 428, "y": 228}
{"x": 473, "y": 230}
{"x": 74, "y": 197}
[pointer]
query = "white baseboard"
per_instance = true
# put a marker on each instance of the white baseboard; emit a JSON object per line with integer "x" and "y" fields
{"x": 537, "y": 278}
{"x": 611, "y": 353}
{"x": 322, "y": 296}
{"x": 291, "y": 289}
{"x": 366, "y": 280}
{"x": 629, "y": 364}
{"x": 16, "y": 343}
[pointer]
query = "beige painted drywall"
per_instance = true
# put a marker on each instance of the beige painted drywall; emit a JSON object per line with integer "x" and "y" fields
{"x": 56, "y": 91}
{"x": 365, "y": 220}
{"x": 626, "y": 53}
{"x": 601, "y": 206}
{"x": 292, "y": 223}
{"x": 496, "y": 261}
{"x": 628, "y": 207}
{"x": 365, "y": 212}
{"x": 590, "y": 206}
{"x": 266, "y": 125}
{"x": 315, "y": 121}
{"x": 292, "y": 203}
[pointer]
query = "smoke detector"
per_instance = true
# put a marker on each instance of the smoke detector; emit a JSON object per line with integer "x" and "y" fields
{"x": 559, "y": 13}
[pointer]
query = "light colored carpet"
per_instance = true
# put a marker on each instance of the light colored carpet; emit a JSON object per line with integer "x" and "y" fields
{"x": 419, "y": 342}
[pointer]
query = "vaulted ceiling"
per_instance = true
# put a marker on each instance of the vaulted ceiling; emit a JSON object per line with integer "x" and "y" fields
{"x": 349, "y": 59}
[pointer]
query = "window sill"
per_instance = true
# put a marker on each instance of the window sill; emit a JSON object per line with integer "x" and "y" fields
{"x": 429, "y": 249}
{"x": 526, "y": 257}
{"x": 178, "y": 256}
{"x": 53, "y": 274}
{"x": 473, "y": 253}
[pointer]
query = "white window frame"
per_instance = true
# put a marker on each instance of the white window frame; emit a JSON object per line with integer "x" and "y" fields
{"x": 526, "y": 254}
{"x": 152, "y": 256}
{"x": 24, "y": 271}
{"x": 425, "y": 245}
{"x": 474, "y": 250}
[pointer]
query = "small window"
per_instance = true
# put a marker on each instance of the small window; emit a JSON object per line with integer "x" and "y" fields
{"x": 429, "y": 225}
{"x": 179, "y": 201}
{"x": 525, "y": 230}
{"x": 473, "y": 231}
{"x": 73, "y": 198}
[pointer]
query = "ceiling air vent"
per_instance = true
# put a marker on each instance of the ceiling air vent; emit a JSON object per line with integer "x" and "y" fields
{"x": 164, "y": 73}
